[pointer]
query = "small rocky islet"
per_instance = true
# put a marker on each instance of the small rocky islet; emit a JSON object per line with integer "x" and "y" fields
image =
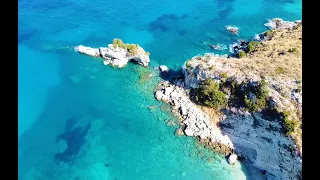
{"x": 247, "y": 106}
{"x": 117, "y": 54}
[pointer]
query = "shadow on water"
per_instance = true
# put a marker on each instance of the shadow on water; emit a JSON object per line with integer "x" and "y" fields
{"x": 171, "y": 75}
{"x": 224, "y": 13}
{"x": 167, "y": 22}
{"x": 75, "y": 138}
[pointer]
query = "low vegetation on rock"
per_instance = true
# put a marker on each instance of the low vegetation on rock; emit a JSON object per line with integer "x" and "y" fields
{"x": 252, "y": 96}
{"x": 289, "y": 124}
{"x": 188, "y": 63}
{"x": 242, "y": 54}
{"x": 269, "y": 33}
{"x": 292, "y": 50}
{"x": 209, "y": 94}
{"x": 252, "y": 45}
{"x": 132, "y": 48}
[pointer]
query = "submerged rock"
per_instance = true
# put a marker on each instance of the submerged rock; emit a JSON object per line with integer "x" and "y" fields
{"x": 171, "y": 123}
{"x": 179, "y": 132}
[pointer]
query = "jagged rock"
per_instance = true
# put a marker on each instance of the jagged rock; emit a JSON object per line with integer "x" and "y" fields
{"x": 233, "y": 29}
{"x": 163, "y": 68}
{"x": 116, "y": 56}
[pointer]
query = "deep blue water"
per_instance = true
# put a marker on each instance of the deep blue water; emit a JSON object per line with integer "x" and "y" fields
{"x": 81, "y": 120}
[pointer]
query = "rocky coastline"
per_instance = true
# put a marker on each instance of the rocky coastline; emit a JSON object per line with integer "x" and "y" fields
{"x": 254, "y": 136}
{"x": 264, "y": 133}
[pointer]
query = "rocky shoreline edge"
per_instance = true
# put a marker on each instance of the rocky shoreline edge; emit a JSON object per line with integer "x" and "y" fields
{"x": 235, "y": 132}
{"x": 238, "y": 132}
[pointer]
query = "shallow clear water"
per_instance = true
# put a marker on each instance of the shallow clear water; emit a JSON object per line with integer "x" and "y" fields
{"x": 79, "y": 119}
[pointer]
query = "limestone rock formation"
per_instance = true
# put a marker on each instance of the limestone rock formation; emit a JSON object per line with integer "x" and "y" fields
{"x": 259, "y": 138}
{"x": 116, "y": 56}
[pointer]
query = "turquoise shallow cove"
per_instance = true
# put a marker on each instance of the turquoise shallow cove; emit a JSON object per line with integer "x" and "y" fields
{"x": 81, "y": 120}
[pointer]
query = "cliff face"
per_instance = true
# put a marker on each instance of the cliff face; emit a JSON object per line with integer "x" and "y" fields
{"x": 116, "y": 56}
{"x": 259, "y": 137}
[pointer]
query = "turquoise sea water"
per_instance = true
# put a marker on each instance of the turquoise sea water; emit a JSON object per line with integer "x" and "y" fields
{"x": 81, "y": 120}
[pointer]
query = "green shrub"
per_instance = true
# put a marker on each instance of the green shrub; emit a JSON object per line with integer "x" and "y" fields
{"x": 268, "y": 33}
{"x": 188, "y": 63}
{"x": 132, "y": 48}
{"x": 260, "y": 93}
{"x": 208, "y": 94}
{"x": 224, "y": 75}
{"x": 252, "y": 45}
{"x": 118, "y": 43}
{"x": 264, "y": 83}
{"x": 289, "y": 125}
{"x": 242, "y": 54}
{"x": 279, "y": 70}
{"x": 292, "y": 50}
{"x": 212, "y": 94}
{"x": 259, "y": 103}
{"x": 299, "y": 81}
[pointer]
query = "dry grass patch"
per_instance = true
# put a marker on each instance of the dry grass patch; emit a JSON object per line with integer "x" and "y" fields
{"x": 280, "y": 55}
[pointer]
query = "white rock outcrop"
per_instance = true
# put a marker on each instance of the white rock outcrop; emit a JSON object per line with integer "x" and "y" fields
{"x": 233, "y": 29}
{"x": 116, "y": 56}
{"x": 232, "y": 159}
{"x": 278, "y": 23}
{"x": 163, "y": 68}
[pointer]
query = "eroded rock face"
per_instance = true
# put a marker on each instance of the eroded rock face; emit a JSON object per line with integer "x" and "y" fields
{"x": 262, "y": 145}
{"x": 116, "y": 56}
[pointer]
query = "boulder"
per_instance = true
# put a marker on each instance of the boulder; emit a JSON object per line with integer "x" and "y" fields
{"x": 232, "y": 159}
{"x": 163, "y": 68}
{"x": 158, "y": 95}
{"x": 179, "y": 132}
{"x": 188, "y": 132}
